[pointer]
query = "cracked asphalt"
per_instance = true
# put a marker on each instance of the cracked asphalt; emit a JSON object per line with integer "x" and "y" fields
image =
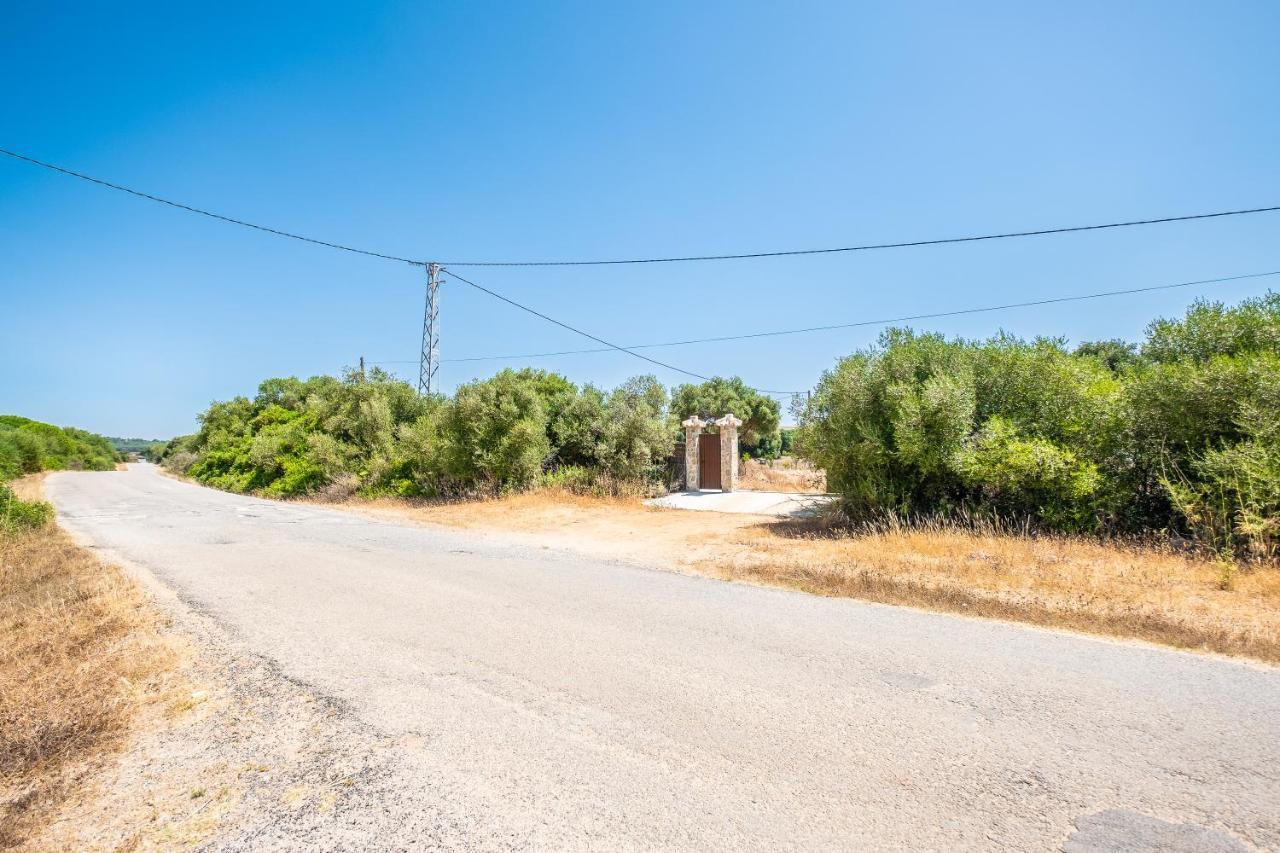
{"x": 535, "y": 699}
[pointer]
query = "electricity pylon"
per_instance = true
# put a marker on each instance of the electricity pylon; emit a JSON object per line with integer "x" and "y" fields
{"x": 430, "y": 361}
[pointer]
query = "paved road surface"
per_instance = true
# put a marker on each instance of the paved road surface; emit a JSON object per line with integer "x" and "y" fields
{"x": 552, "y": 701}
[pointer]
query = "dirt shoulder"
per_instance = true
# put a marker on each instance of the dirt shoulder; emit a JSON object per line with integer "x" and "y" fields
{"x": 130, "y": 721}
{"x": 83, "y": 658}
{"x": 1080, "y": 584}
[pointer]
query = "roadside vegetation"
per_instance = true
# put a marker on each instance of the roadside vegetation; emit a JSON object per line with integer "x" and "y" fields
{"x": 520, "y": 429}
{"x": 1126, "y": 489}
{"x": 78, "y": 644}
{"x": 28, "y": 446}
{"x": 1176, "y": 439}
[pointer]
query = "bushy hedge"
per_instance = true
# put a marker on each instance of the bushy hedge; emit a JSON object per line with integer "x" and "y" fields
{"x": 28, "y": 446}
{"x": 18, "y": 515}
{"x": 375, "y": 433}
{"x": 1179, "y": 434}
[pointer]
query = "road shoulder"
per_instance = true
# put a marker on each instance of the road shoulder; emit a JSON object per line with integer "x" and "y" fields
{"x": 218, "y": 749}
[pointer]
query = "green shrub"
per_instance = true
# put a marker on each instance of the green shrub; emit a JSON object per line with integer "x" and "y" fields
{"x": 634, "y": 439}
{"x": 1212, "y": 329}
{"x": 922, "y": 425}
{"x": 28, "y": 446}
{"x": 1116, "y": 355}
{"x": 1025, "y": 477}
{"x": 494, "y": 432}
{"x": 1229, "y": 494}
{"x": 371, "y": 433}
{"x": 17, "y": 515}
{"x": 1180, "y": 434}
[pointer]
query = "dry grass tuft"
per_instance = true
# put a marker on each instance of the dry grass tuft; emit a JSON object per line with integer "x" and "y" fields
{"x": 79, "y": 653}
{"x": 29, "y": 488}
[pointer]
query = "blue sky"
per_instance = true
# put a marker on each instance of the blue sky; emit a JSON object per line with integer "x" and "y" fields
{"x": 550, "y": 130}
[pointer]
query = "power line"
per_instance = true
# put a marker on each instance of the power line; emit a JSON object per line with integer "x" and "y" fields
{"x": 330, "y": 245}
{"x": 868, "y": 247}
{"x": 935, "y": 315}
{"x": 630, "y": 351}
{"x": 660, "y": 260}
{"x": 577, "y": 331}
{"x": 208, "y": 213}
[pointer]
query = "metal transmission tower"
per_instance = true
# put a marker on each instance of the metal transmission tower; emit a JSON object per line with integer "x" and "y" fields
{"x": 430, "y": 361}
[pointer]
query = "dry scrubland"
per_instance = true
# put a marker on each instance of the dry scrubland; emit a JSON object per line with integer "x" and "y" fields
{"x": 1123, "y": 590}
{"x": 80, "y": 655}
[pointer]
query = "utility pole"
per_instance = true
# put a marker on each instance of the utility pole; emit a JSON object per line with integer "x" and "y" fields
{"x": 430, "y": 361}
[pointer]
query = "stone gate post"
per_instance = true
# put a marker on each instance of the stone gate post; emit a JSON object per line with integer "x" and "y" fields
{"x": 728, "y": 451}
{"x": 692, "y": 455}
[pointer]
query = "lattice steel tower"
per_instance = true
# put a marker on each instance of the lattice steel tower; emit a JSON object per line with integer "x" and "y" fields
{"x": 430, "y": 361}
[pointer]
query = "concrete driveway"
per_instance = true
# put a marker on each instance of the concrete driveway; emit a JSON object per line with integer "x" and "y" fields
{"x": 782, "y": 504}
{"x": 543, "y": 700}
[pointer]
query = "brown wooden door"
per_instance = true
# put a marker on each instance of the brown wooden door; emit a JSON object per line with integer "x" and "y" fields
{"x": 709, "y": 461}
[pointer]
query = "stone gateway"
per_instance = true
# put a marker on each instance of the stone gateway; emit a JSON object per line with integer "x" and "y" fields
{"x": 698, "y": 449}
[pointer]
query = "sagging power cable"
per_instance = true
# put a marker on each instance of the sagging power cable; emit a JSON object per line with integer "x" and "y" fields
{"x": 1040, "y": 232}
{"x": 860, "y": 323}
{"x": 610, "y": 346}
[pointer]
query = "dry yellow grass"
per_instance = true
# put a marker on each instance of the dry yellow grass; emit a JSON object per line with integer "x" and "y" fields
{"x": 79, "y": 654}
{"x": 1120, "y": 590}
{"x": 29, "y": 488}
{"x": 781, "y": 475}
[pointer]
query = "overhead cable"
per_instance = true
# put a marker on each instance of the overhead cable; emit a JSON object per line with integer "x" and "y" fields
{"x": 880, "y": 322}
{"x": 276, "y": 231}
{"x": 1040, "y": 232}
{"x": 577, "y": 331}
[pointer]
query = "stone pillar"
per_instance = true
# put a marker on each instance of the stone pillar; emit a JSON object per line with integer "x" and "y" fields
{"x": 692, "y": 455}
{"x": 728, "y": 451}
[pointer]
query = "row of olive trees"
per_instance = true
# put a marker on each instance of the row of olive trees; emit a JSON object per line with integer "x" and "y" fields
{"x": 1179, "y": 434}
{"x": 519, "y": 428}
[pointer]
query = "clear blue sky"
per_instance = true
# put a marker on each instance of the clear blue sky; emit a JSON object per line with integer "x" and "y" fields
{"x": 547, "y": 130}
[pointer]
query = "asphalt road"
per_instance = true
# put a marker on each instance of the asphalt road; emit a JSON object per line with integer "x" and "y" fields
{"x": 546, "y": 700}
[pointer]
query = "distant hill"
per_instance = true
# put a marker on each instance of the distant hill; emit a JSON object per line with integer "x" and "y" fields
{"x": 133, "y": 445}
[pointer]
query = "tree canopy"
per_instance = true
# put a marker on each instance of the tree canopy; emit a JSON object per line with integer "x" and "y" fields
{"x": 761, "y": 415}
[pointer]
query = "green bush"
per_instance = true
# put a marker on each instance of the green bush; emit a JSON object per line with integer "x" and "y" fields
{"x": 635, "y": 440}
{"x": 376, "y": 434}
{"x": 28, "y": 446}
{"x": 925, "y": 425}
{"x": 1020, "y": 476}
{"x": 1212, "y": 329}
{"x": 17, "y": 515}
{"x": 1179, "y": 434}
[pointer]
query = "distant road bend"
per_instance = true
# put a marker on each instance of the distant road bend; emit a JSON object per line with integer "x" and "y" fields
{"x": 564, "y": 702}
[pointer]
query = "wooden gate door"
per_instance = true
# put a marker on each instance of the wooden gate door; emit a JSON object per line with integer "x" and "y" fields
{"x": 709, "y": 461}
